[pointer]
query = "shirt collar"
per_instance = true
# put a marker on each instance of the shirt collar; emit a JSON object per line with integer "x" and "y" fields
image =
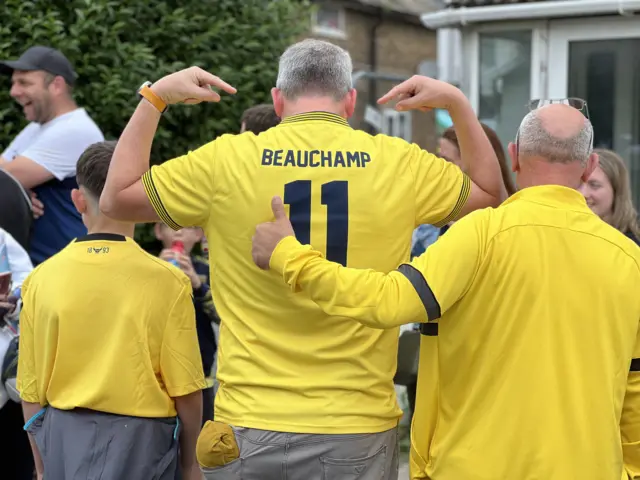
{"x": 315, "y": 117}
{"x": 551, "y": 195}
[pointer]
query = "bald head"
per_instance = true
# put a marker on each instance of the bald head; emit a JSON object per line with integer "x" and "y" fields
{"x": 557, "y": 133}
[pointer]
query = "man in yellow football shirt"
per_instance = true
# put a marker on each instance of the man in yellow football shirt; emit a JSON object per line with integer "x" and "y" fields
{"x": 109, "y": 352}
{"x": 305, "y": 393}
{"x": 539, "y": 314}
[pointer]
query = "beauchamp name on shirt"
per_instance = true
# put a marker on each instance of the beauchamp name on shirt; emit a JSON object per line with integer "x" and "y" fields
{"x": 314, "y": 158}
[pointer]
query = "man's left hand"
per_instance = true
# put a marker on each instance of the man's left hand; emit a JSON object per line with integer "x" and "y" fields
{"x": 269, "y": 234}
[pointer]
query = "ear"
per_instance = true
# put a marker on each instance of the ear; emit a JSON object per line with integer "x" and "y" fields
{"x": 513, "y": 153}
{"x": 79, "y": 201}
{"x": 199, "y": 234}
{"x": 350, "y": 105}
{"x": 278, "y": 101}
{"x": 58, "y": 85}
{"x": 157, "y": 230}
{"x": 243, "y": 127}
{"x": 592, "y": 163}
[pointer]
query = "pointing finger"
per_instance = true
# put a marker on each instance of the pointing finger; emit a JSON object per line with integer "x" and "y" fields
{"x": 207, "y": 79}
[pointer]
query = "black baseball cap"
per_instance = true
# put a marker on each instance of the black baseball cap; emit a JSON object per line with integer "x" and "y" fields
{"x": 42, "y": 58}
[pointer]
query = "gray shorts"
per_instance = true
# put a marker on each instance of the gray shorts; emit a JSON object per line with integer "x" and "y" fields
{"x": 267, "y": 455}
{"x": 82, "y": 444}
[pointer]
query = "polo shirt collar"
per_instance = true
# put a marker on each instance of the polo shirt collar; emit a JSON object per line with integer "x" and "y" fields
{"x": 551, "y": 195}
{"x": 315, "y": 117}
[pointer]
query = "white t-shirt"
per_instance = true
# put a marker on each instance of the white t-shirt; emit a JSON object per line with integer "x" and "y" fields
{"x": 58, "y": 144}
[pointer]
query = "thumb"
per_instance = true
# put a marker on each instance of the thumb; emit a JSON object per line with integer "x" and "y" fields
{"x": 278, "y": 209}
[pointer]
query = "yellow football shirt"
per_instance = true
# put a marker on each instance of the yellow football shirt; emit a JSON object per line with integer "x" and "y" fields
{"x": 108, "y": 327}
{"x": 538, "y": 338}
{"x": 283, "y": 364}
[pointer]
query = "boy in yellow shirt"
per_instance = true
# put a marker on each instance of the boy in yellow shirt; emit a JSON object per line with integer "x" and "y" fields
{"x": 109, "y": 368}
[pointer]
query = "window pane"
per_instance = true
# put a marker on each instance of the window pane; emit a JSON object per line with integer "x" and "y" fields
{"x": 505, "y": 81}
{"x": 606, "y": 73}
{"x": 328, "y": 17}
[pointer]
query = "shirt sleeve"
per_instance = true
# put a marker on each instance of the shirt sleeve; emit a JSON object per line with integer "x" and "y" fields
{"x": 26, "y": 381}
{"x": 19, "y": 260}
{"x": 417, "y": 292}
{"x": 372, "y": 298}
{"x": 181, "y": 189}
{"x": 441, "y": 189}
{"x": 180, "y": 362}
{"x": 630, "y": 420}
{"x": 59, "y": 148}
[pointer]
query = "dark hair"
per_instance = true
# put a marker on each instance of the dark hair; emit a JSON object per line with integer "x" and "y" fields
{"x": 509, "y": 185}
{"x": 93, "y": 165}
{"x": 259, "y": 118}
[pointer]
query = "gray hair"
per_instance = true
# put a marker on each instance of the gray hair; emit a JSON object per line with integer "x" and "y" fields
{"x": 535, "y": 140}
{"x": 314, "y": 67}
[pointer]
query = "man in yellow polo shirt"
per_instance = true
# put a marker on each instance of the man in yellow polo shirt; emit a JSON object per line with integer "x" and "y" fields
{"x": 108, "y": 346}
{"x": 539, "y": 317}
{"x": 305, "y": 394}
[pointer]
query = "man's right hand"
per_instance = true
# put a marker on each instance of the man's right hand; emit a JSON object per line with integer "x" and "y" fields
{"x": 191, "y": 85}
{"x": 424, "y": 93}
{"x": 37, "y": 207}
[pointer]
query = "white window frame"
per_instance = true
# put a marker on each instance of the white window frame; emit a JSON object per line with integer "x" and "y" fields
{"x": 397, "y": 124}
{"x": 471, "y": 55}
{"x": 563, "y": 32}
{"x": 337, "y": 33}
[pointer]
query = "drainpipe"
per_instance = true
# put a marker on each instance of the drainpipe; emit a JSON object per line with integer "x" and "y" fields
{"x": 373, "y": 61}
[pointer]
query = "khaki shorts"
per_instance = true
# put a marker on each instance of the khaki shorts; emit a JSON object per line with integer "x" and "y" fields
{"x": 267, "y": 455}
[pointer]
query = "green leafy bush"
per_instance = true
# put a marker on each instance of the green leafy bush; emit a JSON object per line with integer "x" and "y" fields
{"x": 116, "y": 45}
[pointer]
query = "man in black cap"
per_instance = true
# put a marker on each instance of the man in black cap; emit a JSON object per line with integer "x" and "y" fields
{"x": 43, "y": 156}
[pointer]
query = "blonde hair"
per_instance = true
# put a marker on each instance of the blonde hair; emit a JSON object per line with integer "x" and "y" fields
{"x": 623, "y": 214}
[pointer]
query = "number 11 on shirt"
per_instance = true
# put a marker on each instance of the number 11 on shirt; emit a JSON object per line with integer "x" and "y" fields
{"x": 335, "y": 195}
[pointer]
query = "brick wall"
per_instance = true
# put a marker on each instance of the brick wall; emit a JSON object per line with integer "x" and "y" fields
{"x": 402, "y": 45}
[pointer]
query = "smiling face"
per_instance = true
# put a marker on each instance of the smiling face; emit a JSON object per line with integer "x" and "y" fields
{"x": 32, "y": 91}
{"x": 598, "y": 192}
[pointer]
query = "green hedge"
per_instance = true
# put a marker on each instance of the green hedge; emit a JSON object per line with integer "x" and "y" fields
{"x": 116, "y": 45}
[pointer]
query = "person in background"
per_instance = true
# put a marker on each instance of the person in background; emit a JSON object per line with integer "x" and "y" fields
{"x": 608, "y": 194}
{"x": 43, "y": 156}
{"x": 450, "y": 150}
{"x": 109, "y": 371}
{"x": 16, "y": 460}
{"x": 258, "y": 119}
{"x": 197, "y": 269}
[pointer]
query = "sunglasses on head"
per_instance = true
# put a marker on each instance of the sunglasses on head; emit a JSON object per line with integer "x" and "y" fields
{"x": 575, "y": 102}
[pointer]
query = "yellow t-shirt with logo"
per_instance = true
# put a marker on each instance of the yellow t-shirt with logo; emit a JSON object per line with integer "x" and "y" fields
{"x": 108, "y": 327}
{"x": 538, "y": 338}
{"x": 283, "y": 364}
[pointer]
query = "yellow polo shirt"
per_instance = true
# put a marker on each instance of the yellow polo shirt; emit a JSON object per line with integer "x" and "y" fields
{"x": 108, "y": 327}
{"x": 283, "y": 364}
{"x": 538, "y": 341}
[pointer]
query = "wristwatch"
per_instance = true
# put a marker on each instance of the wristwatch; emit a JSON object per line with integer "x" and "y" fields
{"x": 149, "y": 95}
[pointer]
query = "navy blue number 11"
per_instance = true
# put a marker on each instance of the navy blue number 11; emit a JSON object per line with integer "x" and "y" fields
{"x": 335, "y": 195}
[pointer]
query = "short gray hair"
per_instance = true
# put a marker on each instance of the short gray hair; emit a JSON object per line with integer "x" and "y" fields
{"x": 535, "y": 140}
{"x": 314, "y": 67}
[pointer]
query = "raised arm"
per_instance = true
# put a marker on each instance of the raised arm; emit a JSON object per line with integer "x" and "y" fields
{"x": 486, "y": 187}
{"x": 416, "y": 292}
{"x": 125, "y": 197}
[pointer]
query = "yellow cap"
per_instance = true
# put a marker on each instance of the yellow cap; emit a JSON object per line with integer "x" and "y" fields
{"x": 216, "y": 445}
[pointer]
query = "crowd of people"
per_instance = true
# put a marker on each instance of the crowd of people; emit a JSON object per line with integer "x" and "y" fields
{"x": 322, "y": 240}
